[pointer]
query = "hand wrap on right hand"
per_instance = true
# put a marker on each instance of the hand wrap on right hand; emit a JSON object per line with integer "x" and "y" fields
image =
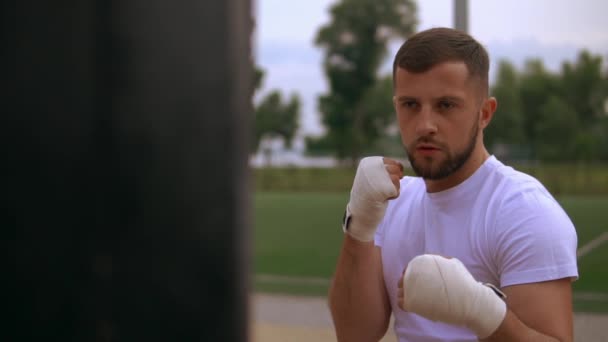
{"x": 369, "y": 196}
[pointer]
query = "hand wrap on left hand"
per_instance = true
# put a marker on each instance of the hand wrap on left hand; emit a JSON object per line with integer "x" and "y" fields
{"x": 443, "y": 290}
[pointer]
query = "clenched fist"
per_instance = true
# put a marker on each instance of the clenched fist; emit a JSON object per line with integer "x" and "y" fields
{"x": 376, "y": 181}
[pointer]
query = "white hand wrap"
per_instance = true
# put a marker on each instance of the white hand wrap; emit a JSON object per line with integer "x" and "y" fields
{"x": 369, "y": 196}
{"x": 443, "y": 290}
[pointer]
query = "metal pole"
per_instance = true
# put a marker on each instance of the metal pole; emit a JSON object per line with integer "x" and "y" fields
{"x": 461, "y": 20}
{"x": 124, "y": 197}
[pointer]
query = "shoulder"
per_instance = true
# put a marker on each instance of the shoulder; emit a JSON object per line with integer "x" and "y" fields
{"x": 522, "y": 193}
{"x": 511, "y": 181}
{"x": 515, "y": 191}
{"x": 523, "y": 202}
{"x": 535, "y": 239}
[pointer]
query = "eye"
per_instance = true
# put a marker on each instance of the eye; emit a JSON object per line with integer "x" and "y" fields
{"x": 445, "y": 105}
{"x": 410, "y": 104}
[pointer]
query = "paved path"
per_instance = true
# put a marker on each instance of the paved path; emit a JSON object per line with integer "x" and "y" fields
{"x": 294, "y": 319}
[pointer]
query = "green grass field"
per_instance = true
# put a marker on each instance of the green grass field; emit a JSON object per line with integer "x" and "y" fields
{"x": 298, "y": 234}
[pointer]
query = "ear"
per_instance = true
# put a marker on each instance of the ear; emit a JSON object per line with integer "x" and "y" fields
{"x": 487, "y": 111}
{"x": 395, "y": 102}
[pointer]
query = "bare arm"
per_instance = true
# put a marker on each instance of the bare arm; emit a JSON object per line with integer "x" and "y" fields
{"x": 537, "y": 312}
{"x": 358, "y": 299}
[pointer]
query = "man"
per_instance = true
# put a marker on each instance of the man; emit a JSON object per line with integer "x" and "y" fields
{"x": 471, "y": 249}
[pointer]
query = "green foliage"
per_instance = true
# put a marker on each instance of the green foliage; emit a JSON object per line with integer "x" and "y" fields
{"x": 557, "y": 122}
{"x": 258, "y": 78}
{"x": 585, "y": 87}
{"x": 319, "y": 146}
{"x": 509, "y": 112}
{"x": 355, "y": 44}
{"x": 536, "y": 87}
{"x": 377, "y": 112}
{"x": 274, "y": 117}
{"x": 551, "y": 116}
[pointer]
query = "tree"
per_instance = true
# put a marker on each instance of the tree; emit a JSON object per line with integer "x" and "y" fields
{"x": 355, "y": 44}
{"x": 557, "y": 127}
{"x": 258, "y": 78}
{"x": 537, "y": 85}
{"x": 274, "y": 117}
{"x": 506, "y": 129}
{"x": 584, "y": 86}
{"x": 556, "y": 116}
{"x": 586, "y": 89}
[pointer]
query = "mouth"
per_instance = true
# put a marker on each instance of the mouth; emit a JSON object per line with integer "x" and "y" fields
{"x": 427, "y": 149}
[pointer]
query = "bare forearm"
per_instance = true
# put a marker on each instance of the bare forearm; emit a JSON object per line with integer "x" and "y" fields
{"x": 358, "y": 301}
{"x": 513, "y": 329}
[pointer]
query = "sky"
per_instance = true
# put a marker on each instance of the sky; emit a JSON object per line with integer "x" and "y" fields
{"x": 553, "y": 30}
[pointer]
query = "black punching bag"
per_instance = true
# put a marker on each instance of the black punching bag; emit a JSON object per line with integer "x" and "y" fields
{"x": 124, "y": 179}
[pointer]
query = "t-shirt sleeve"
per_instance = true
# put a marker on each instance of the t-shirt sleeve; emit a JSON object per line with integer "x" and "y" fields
{"x": 536, "y": 240}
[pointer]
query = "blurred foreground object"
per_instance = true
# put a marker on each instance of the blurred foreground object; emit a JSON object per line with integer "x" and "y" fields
{"x": 124, "y": 175}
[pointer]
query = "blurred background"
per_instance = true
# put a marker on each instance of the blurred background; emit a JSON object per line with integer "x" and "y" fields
{"x": 323, "y": 101}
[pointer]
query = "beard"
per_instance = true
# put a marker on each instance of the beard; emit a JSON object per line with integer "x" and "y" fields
{"x": 452, "y": 162}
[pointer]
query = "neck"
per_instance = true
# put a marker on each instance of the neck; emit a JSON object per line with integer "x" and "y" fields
{"x": 477, "y": 158}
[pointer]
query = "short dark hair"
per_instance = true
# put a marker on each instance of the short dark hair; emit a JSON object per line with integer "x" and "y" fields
{"x": 431, "y": 47}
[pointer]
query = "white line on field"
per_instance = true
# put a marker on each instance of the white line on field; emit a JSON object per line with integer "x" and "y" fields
{"x": 591, "y": 245}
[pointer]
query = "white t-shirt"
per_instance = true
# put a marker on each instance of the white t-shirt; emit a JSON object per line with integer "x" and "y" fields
{"x": 502, "y": 224}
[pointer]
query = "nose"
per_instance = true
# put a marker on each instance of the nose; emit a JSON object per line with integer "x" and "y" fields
{"x": 425, "y": 123}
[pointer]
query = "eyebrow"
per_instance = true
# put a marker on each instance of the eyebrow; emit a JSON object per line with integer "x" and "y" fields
{"x": 450, "y": 98}
{"x": 406, "y": 98}
{"x": 440, "y": 98}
